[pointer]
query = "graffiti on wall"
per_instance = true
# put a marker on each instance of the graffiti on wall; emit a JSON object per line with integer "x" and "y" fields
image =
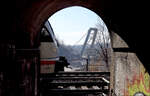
{"x": 140, "y": 84}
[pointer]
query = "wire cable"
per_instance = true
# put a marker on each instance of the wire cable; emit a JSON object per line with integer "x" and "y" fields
{"x": 80, "y": 39}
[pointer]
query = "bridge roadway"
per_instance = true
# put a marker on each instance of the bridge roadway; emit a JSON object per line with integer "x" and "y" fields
{"x": 75, "y": 84}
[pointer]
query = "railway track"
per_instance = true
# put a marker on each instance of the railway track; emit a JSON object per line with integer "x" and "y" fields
{"x": 75, "y": 84}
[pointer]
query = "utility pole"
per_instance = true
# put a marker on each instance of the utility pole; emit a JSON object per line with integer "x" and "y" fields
{"x": 87, "y": 64}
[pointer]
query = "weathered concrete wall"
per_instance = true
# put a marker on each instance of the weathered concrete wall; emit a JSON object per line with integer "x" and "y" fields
{"x": 128, "y": 73}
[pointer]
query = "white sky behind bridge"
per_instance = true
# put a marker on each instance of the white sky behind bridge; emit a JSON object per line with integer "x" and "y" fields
{"x": 71, "y": 23}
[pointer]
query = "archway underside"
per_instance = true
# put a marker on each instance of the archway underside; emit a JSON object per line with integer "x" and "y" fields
{"x": 39, "y": 11}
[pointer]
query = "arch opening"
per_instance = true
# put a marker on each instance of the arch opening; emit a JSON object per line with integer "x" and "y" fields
{"x": 83, "y": 34}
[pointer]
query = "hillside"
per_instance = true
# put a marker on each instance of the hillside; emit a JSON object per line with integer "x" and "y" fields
{"x": 73, "y": 55}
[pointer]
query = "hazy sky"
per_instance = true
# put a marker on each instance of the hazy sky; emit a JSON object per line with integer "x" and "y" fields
{"x": 70, "y": 24}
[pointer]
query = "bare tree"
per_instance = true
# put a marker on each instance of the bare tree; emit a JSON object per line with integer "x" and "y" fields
{"x": 103, "y": 46}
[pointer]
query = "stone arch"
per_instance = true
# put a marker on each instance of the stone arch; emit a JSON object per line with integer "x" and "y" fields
{"x": 34, "y": 16}
{"x": 38, "y": 13}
